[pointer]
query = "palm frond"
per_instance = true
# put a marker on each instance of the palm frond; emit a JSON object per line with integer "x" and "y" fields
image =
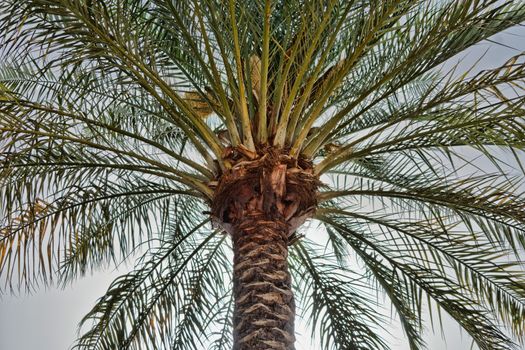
{"x": 445, "y": 261}
{"x": 343, "y": 314}
{"x": 176, "y": 292}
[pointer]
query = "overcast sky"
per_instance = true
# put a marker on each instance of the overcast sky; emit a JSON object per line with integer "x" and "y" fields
{"x": 47, "y": 320}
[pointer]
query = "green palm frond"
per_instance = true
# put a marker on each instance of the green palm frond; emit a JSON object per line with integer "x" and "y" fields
{"x": 81, "y": 167}
{"x": 440, "y": 32}
{"x": 344, "y": 316}
{"x": 119, "y": 214}
{"x": 471, "y": 113}
{"x": 484, "y": 203}
{"x": 441, "y": 270}
{"x": 151, "y": 300}
{"x": 401, "y": 298}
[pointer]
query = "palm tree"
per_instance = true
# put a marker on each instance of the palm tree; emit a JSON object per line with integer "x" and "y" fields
{"x": 198, "y": 137}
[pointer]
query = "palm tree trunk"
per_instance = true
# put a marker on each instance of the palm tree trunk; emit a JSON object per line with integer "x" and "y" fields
{"x": 261, "y": 200}
{"x": 264, "y": 305}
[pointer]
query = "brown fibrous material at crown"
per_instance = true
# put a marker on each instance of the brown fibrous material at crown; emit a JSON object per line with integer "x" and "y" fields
{"x": 268, "y": 181}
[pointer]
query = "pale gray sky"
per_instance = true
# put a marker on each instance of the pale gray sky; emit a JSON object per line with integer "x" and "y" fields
{"x": 47, "y": 320}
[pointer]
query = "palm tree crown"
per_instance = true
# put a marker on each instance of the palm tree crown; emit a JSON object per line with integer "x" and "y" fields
{"x": 183, "y": 133}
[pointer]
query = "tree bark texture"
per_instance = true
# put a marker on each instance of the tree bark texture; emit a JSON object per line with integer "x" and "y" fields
{"x": 264, "y": 306}
{"x": 261, "y": 201}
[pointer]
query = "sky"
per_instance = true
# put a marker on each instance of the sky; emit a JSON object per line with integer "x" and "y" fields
{"x": 48, "y": 318}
